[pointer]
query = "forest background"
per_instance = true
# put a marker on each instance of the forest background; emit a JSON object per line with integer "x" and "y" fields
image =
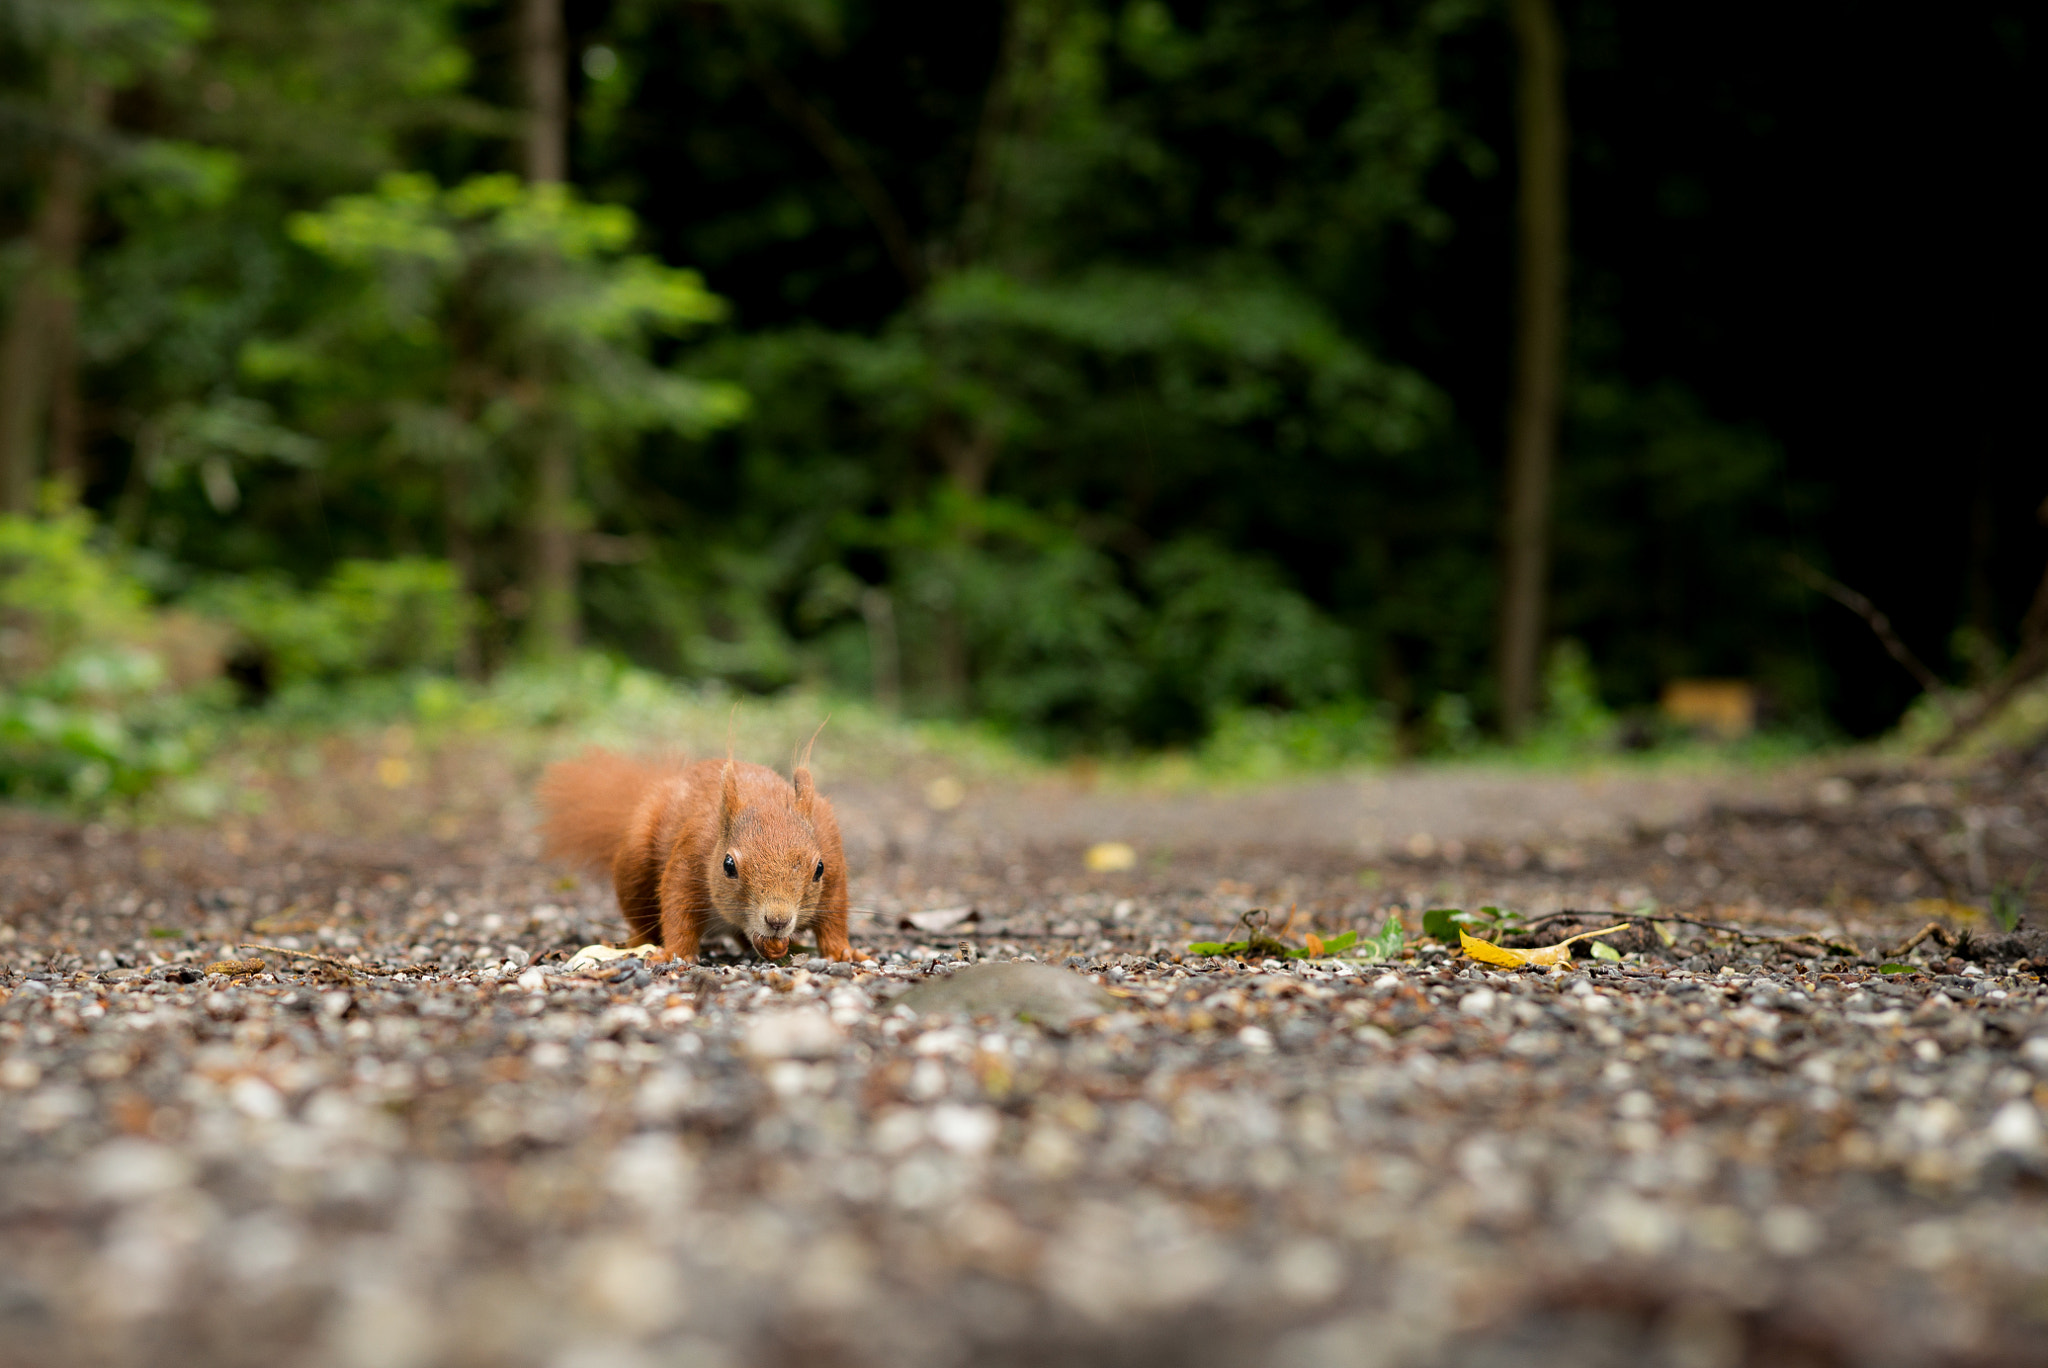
{"x": 1122, "y": 375}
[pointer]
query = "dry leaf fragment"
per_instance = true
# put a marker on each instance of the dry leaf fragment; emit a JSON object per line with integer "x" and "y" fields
{"x": 939, "y": 918}
{"x": 1486, "y": 952}
{"x": 236, "y": 966}
{"x": 590, "y": 956}
{"x": 1315, "y": 945}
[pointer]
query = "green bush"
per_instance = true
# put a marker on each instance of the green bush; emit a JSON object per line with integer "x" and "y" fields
{"x": 89, "y": 709}
{"x": 1227, "y": 633}
{"x": 1264, "y": 743}
{"x": 58, "y": 592}
{"x": 369, "y": 618}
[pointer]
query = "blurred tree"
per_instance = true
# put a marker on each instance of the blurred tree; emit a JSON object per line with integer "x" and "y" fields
{"x": 1121, "y": 369}
{"x": 1539, "y": 353}
{"x": 552, "y": 629}
{"x": 71, "y": 56}
{"x": 474, "y": 326}
{"x": 1108, "y": 280}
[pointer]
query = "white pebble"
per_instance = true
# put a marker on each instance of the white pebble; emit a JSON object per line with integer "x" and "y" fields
{"x": 964, "y": 1130}
{"x": 123, "y": 1170}
{"x": 2015, "y": 1128}
{"x": 804, "y": 1033}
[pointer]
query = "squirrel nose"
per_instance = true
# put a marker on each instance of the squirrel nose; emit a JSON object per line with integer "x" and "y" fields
{"x": 777, "y": 925}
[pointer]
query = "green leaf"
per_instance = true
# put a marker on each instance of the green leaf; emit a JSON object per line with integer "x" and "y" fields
{"x": 1441, "y": 923}
{"x": 1218, "y": 947}
{"x": 1392, "y": 937}
{"x": 1335, "y": 945}
{"x": 1603, "y": 951}
{"x": 1895, "y": 968}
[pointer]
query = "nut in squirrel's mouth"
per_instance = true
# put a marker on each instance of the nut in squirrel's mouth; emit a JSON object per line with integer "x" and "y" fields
{"x": 772, "y": 949}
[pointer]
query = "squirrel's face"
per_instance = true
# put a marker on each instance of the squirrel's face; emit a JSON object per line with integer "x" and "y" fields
{"x": 768, "y": 877}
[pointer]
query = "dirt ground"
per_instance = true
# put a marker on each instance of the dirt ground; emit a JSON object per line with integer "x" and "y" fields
{"x": 435, "y": 1145}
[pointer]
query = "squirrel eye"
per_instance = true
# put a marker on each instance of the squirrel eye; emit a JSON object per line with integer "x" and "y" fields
{"x": 819, "y": 872}
{"x": 732, "y": 869}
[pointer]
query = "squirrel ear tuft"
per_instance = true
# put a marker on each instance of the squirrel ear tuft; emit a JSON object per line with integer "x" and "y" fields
{"x": 805, "y": 790}
{"x": 728, "y": 795}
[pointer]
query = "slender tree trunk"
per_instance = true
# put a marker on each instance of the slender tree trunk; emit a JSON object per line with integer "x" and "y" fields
{"x": 885, "y": 657}
{"x": 547, "y": 97}
{"x": 969, "y": 456}
{"x": 1538, "y": 359}
{"x": 553, "y": 628}
{"x": 554, "y": 623}
{"x": 38, "y": 352}
{"x": 462, "y": 559}
{"x": 21, "y": 392}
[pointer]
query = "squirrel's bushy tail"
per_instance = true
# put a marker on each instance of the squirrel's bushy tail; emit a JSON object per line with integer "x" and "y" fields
{"x": 590, "y": 799}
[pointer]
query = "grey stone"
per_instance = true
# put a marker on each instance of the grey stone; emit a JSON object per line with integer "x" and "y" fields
{"x": 1018, "y": 988}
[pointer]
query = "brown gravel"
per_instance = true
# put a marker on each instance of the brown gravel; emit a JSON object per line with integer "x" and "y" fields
{"x": 431, "y": 1146}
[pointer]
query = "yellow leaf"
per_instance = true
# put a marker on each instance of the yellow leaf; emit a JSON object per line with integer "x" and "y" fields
{"x": 1314, "y": 943}
{"x": 1111, "y": 857}
{"x": 1486, "y": 952}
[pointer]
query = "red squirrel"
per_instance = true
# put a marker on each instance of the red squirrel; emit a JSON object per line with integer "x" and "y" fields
{"x": 714, "y": 847}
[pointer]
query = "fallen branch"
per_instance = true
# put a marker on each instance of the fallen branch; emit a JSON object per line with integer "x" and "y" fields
{"x": 2028, "y": 663}
{"x": 308, "y": 954}
{"x": 1742, "y": 932}
{"x": 1934, "y": 930}
{"x": 1879, "y": 624}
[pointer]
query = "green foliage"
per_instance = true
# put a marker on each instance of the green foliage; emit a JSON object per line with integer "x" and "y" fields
{"x": 1269, "y": 743}
{"x": 88, "y": 709}
{"x": 1487, "y": 923}
{"x": 1128, "y": 450}
{"x": 1258, "y": 947}
{"x": 1574, "y": 721}
{"x": 59, "y": 594}
{"x": 1391, "y": 939}
{"x": 2009, "y": 903}
{"x": 1388, "y": 944}
{"x": 369, "y": 618}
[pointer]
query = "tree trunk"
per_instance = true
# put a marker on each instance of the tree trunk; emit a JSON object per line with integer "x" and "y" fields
{"x": 21, "y": 392}
{"x": 38, "y": 353}
{"x": 885, "y": 657}
{"x": 547, "y": 96}
{"x": 969, "y": 455}
{"x": 462, "y": 559}
{"x": 1539, "y": 356}
{"x": 553, "y": 628}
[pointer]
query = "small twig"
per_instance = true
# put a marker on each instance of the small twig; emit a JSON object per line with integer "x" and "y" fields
{"x": 308, "y": 954}
{"x": 1880, "y": 624}
{"x": 1741, "y": 932}
{"x": 1934, "y": 930}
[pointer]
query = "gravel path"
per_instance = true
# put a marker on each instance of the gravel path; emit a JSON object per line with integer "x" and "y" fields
{"x": 434, "y": 1146}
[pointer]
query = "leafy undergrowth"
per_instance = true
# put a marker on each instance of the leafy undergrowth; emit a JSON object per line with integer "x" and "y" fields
{"x": 116, "y": 705}
{"x": 1265, "y": 941}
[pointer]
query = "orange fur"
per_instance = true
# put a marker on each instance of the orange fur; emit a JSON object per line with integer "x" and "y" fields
{"x": 589, "y": 801}
{"x": 666, "y": 831}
